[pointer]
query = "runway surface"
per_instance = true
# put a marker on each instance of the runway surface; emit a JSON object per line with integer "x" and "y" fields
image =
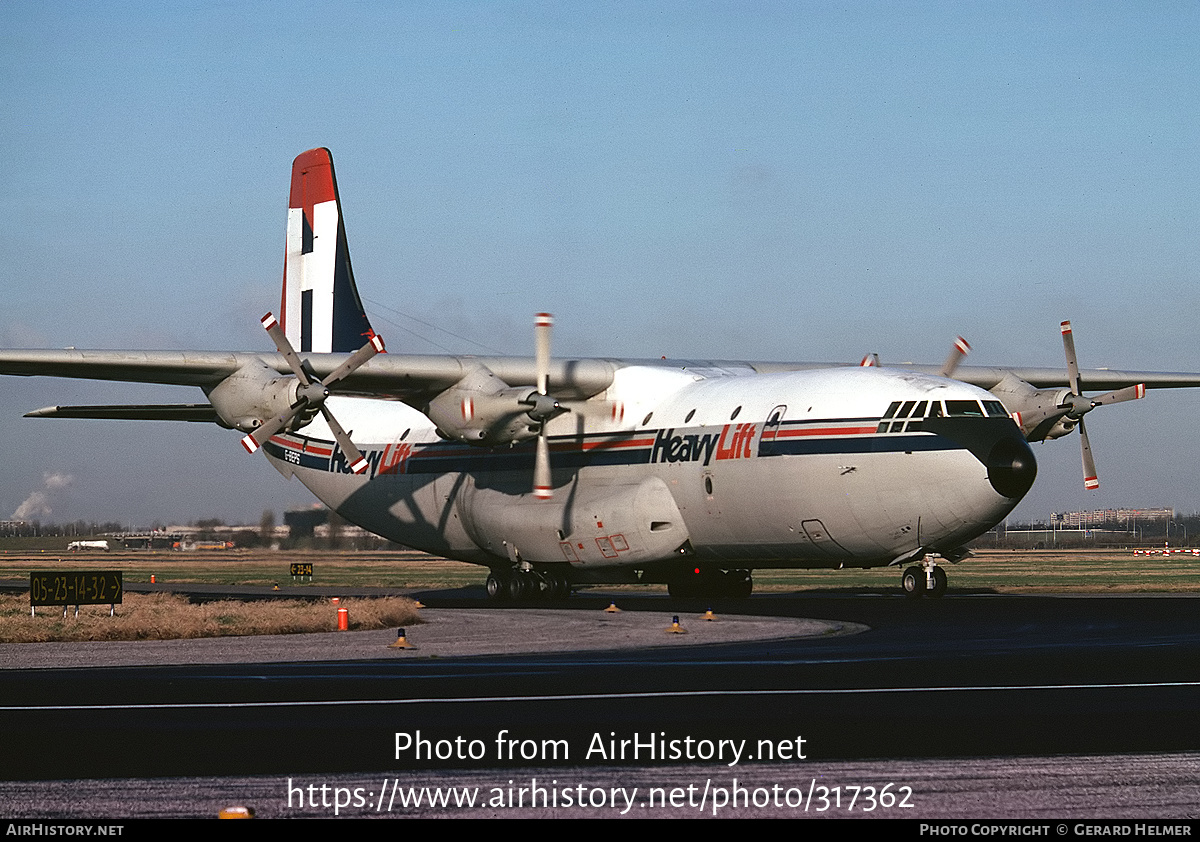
{"x": 780, "y": 702}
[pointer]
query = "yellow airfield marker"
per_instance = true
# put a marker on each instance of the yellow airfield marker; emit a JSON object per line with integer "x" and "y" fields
{"x": 401, "y": 641}
{"x": 236, "y": 813}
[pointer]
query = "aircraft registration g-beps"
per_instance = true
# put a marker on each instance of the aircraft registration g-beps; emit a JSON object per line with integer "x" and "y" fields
{"x": 553, "y": 473}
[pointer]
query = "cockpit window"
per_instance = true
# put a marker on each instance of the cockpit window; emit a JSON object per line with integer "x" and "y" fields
{"x": 964, "y": 408}
{"x": 907, "y": 416}
{"x": 908, "y": 409}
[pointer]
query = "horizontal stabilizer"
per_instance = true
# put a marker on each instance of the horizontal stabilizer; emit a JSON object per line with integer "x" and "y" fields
{"x": 131, "y": 412}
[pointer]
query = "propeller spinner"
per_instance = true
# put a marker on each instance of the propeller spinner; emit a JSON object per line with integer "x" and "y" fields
{"x": 310, "y": 396}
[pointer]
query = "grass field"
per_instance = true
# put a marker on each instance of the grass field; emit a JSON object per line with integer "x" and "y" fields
{"x": 1002, "y": 571}
{"x": 170, "y": 617}
{"x": 161, "y": 616}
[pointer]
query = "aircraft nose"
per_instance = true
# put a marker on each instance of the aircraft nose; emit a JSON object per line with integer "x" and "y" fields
{"x": 1011, "y": 467}
{"x": 998, "y": 444}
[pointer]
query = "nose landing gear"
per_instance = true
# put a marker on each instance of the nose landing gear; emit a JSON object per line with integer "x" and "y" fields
{"x": 925, "y": 579}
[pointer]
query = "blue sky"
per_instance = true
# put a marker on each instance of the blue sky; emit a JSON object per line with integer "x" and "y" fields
{"x": 799, "y": 180}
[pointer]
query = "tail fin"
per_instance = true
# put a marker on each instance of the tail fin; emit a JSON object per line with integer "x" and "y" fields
{"x": 321, "y": 310}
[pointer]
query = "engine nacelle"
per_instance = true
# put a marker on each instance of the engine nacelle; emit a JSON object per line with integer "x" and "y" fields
{"x": 253, "y": 394}
{"x": 1040, "y": 413}
{"x": 482, "y": 409}
{"x": 1061, "y": 427}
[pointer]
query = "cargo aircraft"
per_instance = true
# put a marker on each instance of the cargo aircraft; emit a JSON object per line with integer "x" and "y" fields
{"x": 554, "y": 473}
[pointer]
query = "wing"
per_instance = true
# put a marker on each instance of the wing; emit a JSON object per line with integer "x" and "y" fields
{"x": 988, "y": 377}
{"x": 414, "y": 379}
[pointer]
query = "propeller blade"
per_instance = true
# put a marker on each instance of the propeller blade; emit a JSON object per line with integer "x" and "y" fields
{"x": 957, "y": 353}
{"x": 1129, "y": 393}
{"x": 1072, "y": 360}
{"x": 354, "y": 457}
{"x": 253, "y": 441}
{"x": 1090, "y": 481}
{"x": 541, "y": 469}
{"x": 285, "y": 347}
{"x": 374, "y": 346}
{"x": 542, "y": 323}
{"x": 543, "y": 410}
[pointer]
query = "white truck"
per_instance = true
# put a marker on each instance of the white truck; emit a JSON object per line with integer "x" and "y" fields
{"x": 76, "y": 546}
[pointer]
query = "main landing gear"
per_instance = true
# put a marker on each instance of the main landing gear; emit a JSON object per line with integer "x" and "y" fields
{"x": 925, "y": 579}
{"x": 527, "y": 585}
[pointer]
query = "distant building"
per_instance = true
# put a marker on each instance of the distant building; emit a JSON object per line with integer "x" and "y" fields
{"x": 1110, "y": 518}
{"x": 302, "y": 523}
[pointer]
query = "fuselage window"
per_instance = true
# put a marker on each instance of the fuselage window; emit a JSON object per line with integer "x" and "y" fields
{"x": 734, "y": 414}
{"x": 689, "y": 416}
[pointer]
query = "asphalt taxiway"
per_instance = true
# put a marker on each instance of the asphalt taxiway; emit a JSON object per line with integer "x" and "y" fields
{"x": 442, "y": 633}
{"x": 839, "y": 678}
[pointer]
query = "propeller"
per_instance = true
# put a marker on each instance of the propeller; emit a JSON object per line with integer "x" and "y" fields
{"x": 542, "y": 407}
{"x": 1080, "y": 404}
{"x": 957, "y": 354}
{"x": 310, "y": 396}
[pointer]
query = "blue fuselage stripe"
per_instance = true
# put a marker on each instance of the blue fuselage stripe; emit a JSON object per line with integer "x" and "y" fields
{"x": 569, "y": 452}
{"x": 858, "y": 444}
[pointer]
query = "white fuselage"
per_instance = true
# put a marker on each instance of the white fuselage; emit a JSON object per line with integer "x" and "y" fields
{"x": 731, "y": 468}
